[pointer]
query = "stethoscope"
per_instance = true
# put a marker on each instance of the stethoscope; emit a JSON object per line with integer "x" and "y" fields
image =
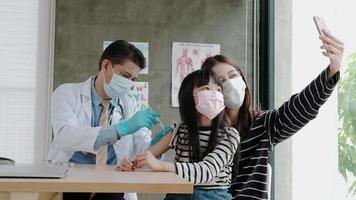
{"x": 112, "y": 111}
{"x": 111, "y": 115}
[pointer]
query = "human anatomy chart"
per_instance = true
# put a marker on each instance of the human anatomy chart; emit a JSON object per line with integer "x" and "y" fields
{"x": 186, "y": 58}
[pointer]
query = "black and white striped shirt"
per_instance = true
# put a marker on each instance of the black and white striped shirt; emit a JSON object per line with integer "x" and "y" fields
{"x": 272, "y": 127}
{"x": 214, "y": 171}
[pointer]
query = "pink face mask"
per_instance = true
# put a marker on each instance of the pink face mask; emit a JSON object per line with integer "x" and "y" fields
{"x": 211, "y": 103}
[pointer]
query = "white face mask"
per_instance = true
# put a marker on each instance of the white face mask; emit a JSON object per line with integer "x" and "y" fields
{"x": 118, "y": 86}
{"x": 234, "y": 92}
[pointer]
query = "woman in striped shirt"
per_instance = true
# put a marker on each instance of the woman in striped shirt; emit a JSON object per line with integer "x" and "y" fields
{"x": 261, "y": 131}
{"x": 204, "y": 145}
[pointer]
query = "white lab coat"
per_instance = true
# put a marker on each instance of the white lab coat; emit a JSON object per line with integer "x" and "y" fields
{"x": 71, "y": 121}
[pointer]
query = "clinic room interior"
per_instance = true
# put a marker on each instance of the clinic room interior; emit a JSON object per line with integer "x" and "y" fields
{"x": 177, "y": 100}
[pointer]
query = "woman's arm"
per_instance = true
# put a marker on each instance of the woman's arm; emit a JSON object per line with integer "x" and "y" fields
{"x": 301, "y": 108}
{"x": 334, "y": 50}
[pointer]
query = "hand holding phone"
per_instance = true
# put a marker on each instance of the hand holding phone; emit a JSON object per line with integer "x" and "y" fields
{"x": 334, "y": 48}
{"x": 320, "y": 25}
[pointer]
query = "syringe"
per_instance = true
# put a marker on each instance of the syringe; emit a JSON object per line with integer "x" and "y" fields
{"x": 160, "y": 122}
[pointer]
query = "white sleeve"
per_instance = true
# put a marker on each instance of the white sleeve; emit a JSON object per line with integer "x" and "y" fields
{"x": 69, "y": 135}
{"x": 142, "y": 137}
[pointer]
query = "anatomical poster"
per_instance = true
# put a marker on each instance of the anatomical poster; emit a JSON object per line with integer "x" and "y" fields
{"x": 186, "y": 58}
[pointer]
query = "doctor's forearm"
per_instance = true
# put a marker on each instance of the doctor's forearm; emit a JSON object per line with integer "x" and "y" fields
{"x": 107, "y": 135}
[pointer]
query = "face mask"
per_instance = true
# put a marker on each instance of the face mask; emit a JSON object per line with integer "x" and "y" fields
{"x": 211, "y": 103}
{"x": 118, "y": 87}
{"x": 234, "y": 92}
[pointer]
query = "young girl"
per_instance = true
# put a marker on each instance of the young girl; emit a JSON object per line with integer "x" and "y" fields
{"x": 202, "y": 134}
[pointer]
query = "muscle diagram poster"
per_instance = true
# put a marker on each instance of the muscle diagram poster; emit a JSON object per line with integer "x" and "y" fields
{"x": 186, "y": 58}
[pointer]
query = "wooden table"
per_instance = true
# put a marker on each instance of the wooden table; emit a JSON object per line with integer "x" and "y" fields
{"x": 86, "y": 178}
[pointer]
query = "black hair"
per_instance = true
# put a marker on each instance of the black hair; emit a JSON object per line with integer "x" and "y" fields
{"x": 120, "y": 51}
{"x": 247, "y": 113}
{"x": 189, "y": 113}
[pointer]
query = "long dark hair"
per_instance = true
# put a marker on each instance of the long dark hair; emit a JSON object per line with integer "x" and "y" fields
{"x": 246, "y": 113}
{"x": 189, "y": 113}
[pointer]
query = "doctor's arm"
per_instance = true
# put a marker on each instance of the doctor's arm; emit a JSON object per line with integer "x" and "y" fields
{"x": 69, "y": 134}
{"x": 137, "y": 125}
{"x": 107, "y": 135}
{"x": 142, "y": 137}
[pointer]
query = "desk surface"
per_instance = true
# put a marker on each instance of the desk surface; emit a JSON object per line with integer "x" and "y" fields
{"x": 87, "y": 178}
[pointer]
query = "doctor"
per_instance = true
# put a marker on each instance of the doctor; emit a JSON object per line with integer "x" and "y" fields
{"x": 97, "y": 121}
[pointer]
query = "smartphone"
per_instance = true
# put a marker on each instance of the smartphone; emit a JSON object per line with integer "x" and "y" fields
{"x": 320, "y": 24}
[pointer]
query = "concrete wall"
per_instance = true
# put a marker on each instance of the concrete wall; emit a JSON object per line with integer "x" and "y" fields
{"x": 282, "y": 171}
{"x": 82, "y": 26}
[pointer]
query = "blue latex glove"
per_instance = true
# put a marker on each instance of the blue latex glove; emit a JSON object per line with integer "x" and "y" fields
{"x": 139, "y": 120}
{"x": 159, "y": 135}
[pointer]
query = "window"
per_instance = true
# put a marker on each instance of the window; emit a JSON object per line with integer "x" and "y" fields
{"x": 319, "y": 155}
{"x": 347, "y": 102}
{"x": 24, "y": 80}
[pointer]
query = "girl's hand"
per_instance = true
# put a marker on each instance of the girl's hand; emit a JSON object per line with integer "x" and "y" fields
{"x": 125, "y": 165}
{"x": 334, "y": 50}
{"x": 148, "y": 159}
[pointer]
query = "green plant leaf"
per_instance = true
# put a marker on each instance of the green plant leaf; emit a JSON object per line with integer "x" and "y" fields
{"x": 347, "y": 123}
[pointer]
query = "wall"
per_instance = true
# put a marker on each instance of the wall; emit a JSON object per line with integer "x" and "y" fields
{"x": 82, "y": 26}
{"x": 25, "y": 54}
{"x": 282, "y": 171}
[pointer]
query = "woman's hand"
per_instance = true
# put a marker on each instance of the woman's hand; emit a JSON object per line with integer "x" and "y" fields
{"x": 334, "y": 50}
{"x": 126, "y": 165}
